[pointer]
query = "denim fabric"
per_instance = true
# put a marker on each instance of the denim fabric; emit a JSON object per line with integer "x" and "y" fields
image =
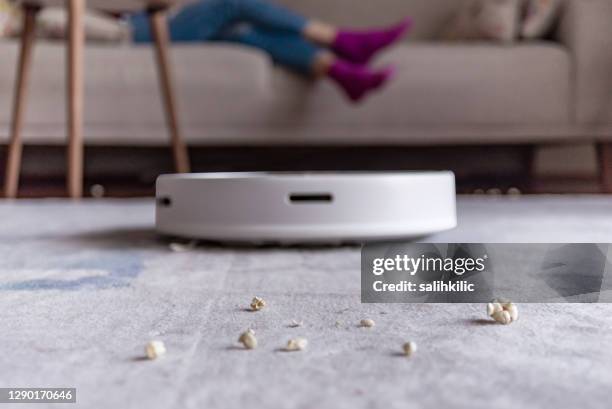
{"x": 256, "y": 23}
{"x": 285, "y": 48}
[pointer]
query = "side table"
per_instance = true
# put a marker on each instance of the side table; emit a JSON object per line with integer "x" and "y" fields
{"x": 74, "y": 85}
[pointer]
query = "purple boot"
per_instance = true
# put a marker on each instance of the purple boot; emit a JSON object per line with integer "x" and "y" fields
{"x": 357, "y": 80}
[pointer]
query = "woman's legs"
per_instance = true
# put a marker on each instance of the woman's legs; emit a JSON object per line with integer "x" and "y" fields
{"x": 208, "y": 19}
{"x": 295, "y": 52}
{"x": 285, "y": 48}
{"x": 320, "y": 32}
{"x": 288, "y": 37}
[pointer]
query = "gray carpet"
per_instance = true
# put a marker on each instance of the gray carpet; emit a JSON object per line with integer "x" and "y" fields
{"x": 84, "y": 286}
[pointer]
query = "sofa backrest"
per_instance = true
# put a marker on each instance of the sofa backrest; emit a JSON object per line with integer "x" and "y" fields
{"x": 429, "y": 16}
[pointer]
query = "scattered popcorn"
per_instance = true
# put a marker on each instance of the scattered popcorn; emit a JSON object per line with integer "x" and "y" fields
{"x": 296, "y": 344}
{"x": 155, "y": 349}
{"x": 409, "y": 348}
{"x": 248, "y": 339}
{"x": 258, "y": 303}
{"x": 368, "y": 323}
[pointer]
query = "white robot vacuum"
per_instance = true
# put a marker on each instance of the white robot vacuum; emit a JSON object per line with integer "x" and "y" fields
{"x": 296, "y": 207}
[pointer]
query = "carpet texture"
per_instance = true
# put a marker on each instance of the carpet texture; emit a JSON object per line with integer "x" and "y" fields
{"x": 83, "y": 286}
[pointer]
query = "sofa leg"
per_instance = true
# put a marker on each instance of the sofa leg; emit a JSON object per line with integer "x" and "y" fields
{"x": 159, "y": 27}
{"x": 13, "y": 162}
{"x": 604, "y": 159}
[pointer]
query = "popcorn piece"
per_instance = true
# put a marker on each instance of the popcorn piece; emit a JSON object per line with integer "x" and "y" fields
{"x": 155, "y": 349}
{"x": 296, "y": 344}
{"x": 503, "y": 317}
{"x": 181, "y": 248}
{"x": 248, "y": 339}
{"x": 512, "y": 310}
{"x": 409, "y": 348}
{"x": 502, "y": 311}
{"x": 257, "y": 303}
{"x": 368, "y": 323}
{"x": 295, "y": 323}
{"x": 493, "y": 307}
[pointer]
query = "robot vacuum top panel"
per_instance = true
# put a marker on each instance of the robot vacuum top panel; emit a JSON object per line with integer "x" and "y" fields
{"x": 305, "y": 207}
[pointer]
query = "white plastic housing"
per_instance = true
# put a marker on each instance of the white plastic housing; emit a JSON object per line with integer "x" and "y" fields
{"x": 305, "y": 207}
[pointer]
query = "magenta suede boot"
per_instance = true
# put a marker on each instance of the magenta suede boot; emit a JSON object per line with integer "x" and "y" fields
{"x": 357, "y": 80}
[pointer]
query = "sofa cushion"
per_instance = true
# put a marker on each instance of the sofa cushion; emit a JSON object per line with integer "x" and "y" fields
{"x": 217, "y": 85}
{"x": 231, "y": 95}
{"x": 444, "y": 92}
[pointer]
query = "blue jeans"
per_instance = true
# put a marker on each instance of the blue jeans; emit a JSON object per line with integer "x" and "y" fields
{"x": 256, "y": 23}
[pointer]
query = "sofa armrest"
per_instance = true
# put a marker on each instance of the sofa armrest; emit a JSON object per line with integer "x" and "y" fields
{"x": 586, "y": 30}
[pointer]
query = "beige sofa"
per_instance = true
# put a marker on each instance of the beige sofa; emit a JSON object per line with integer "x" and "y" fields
{"x": 471, "y": 93}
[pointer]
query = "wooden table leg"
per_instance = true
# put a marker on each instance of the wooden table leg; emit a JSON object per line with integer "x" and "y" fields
{"x": 13, "y": 162}
{"x": 74, "y": 80}
{"x": 159, "y": 28}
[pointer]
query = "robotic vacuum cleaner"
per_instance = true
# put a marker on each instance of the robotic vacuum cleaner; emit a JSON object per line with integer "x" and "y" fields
{"x": 294, "y": 207}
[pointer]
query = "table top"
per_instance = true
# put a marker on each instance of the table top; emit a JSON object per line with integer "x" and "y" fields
{"x": 111, "y": 5}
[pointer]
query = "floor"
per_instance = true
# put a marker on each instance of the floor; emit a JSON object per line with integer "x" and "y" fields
{"x": 85, "y": 285}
